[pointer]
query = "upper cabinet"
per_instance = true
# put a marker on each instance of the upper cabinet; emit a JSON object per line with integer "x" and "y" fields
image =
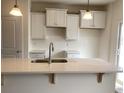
{"x": 56, "y": 17}
{"x": 38, "y": 28}
{"x": 98, "y": 20}
{"x": 72, "y": 30}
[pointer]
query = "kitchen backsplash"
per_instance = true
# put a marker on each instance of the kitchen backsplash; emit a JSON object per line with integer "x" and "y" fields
{"x": 88, "y": 43}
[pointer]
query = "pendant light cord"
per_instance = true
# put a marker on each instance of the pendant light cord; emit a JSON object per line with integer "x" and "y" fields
{"x": 15, "y": 4}
{"x": 88, "y": 6}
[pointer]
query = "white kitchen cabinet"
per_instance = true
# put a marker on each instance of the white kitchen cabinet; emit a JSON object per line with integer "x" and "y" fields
{"x": 56, "y": 17}
{"x": 38, "y": 29}
{"x": 72, "y": 30}
{"x": 98, "y": 20}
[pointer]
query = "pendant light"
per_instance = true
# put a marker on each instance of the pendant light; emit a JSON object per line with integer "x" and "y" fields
{"x": 88, "y": 14}
{"x": 15, "y": 10}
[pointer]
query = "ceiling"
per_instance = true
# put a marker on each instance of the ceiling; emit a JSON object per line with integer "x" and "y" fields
{"x": 94, "y": 2}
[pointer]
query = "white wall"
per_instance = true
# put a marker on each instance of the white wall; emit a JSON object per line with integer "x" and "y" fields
{"x": 88, "y": 43}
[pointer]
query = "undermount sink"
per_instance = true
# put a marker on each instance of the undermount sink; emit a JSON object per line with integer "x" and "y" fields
{"x": 46, "y": 61}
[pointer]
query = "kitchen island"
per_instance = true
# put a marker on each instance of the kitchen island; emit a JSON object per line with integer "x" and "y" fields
{"x": 75, "y": 76}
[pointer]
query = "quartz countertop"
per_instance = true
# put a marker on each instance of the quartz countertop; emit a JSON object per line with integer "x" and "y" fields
{"x": 82, "y": 65}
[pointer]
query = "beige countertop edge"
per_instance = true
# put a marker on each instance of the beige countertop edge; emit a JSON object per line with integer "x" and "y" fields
{"x": 13, "y": 73}
{"x": 61, "y": 72}
{"x": 22, "y": 66}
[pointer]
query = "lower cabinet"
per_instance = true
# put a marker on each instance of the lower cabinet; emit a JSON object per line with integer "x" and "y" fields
{"x": 72, "y": 30}
{"x": 38, "y": 28}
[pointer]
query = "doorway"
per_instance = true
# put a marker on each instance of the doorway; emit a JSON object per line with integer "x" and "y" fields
{"x": 11, "y": 37}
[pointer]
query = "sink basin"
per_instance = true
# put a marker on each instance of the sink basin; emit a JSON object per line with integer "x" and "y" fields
{"x": 59, "y": 61}
{"x": 46, "y": 61}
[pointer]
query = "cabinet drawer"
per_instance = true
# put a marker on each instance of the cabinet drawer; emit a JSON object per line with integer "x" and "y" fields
{"x": 37, "y": 55}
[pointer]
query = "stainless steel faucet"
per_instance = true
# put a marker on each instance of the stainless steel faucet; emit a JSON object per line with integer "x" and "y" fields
{"x": 51, "y": 49}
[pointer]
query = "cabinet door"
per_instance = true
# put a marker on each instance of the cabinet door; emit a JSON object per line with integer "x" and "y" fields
{"x": 38, "y": 26}
{"x": 61, "y": 18}
{"x": 72, "y": 31}
{"x": 51, "y": 18}
{"x": 86, "y": 23}
{"x": 11, "y": 30}
{"x": 56, "y": 18}
{"x": 99, "y": 19}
